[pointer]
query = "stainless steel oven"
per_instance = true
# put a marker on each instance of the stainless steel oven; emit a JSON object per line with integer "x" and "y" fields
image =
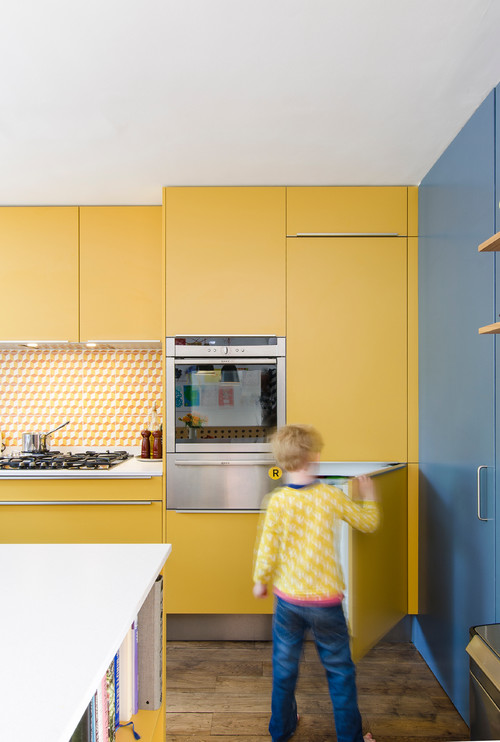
{"x": 224, "y": 398}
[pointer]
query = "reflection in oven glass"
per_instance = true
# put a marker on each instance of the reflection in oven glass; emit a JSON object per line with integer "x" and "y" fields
{"x": 225, "y": 401}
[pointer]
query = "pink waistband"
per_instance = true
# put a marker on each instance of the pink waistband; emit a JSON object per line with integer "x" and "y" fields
{"x": 321, "y": 600}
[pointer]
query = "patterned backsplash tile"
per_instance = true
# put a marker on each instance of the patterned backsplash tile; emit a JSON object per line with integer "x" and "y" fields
{"x": 106, "y": 394}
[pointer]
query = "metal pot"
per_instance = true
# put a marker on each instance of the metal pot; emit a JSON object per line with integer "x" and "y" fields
{"x": 39, "y": 442}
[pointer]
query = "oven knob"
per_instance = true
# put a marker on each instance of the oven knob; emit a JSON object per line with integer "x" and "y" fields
{"x": 225, "y": 351}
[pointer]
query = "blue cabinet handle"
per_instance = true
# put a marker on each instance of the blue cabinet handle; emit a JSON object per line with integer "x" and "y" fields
{"x": 479, "y": 492}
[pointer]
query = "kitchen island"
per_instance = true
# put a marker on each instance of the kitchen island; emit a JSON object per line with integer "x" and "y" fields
{"x": 66, "y": 610}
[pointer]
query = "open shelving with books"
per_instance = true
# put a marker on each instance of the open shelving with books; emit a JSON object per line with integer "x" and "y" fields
{"x": 129, "y": 699}
{"x": 492, "y": 244}
{"x": 85, "y": 598}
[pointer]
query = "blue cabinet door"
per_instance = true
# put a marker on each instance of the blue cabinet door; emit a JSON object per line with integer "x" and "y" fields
{"x": 457, "y": 402}
{"x": 496, "y": 258}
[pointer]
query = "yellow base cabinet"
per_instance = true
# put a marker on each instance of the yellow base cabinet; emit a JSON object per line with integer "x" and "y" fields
{"x": 225, "y": 261}
{"x": 378, "y": 568}
{"x": 211, "y": 565}
{"x": 39, "y": 276}
{"x": 120, "y": 273}
{"x": 80, "y": 511}
{"x": 347, "y": 344}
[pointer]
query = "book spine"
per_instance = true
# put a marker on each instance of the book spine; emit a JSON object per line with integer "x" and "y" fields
{"x": 98, "y": 714}
{"x": 126, "y": 675}
{"x": 110, "y": 695}
{"x": 104, "y": 710}
{"x": 92, "y": 720}
{"x": 135, "y": 664}
{"x": 116, "y": 673}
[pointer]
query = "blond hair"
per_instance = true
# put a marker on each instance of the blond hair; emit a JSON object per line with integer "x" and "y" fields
{"x": 294, "y": 446}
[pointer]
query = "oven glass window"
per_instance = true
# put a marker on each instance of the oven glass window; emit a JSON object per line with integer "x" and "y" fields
{"x": 225, "y": 402}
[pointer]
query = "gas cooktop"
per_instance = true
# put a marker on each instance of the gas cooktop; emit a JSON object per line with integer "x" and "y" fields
{"x": 58, "y": 460}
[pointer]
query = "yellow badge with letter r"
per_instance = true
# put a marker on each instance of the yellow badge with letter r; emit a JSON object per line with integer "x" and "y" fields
{"x": 275, "y": 472}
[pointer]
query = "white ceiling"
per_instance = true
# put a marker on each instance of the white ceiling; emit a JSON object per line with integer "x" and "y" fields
{"x": 106, "y": 101}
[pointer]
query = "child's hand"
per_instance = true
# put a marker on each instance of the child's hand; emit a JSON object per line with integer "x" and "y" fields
{"x": 259, "y": 590}
{"x": 366, "y": 488}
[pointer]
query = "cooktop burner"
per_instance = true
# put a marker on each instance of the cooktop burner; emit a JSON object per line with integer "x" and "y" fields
{"x": 58, "y": 460}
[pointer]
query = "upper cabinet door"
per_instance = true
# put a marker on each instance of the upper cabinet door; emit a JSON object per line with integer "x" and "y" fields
{"x": 39, "y": 273}
{"x": 225, "y": 260}
{"x": 120, "y": 273}
{"x": 347, "y": 344}
{"x": 347, "y": 210}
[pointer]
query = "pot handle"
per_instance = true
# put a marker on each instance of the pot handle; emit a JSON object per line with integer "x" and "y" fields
{"x": 58, "y": 428}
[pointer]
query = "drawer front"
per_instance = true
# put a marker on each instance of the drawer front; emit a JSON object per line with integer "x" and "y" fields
{"x": 48, "y": 490}
{"x": 81, "y": 522}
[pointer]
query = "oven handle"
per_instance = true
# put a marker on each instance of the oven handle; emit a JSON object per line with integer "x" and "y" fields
{"x": 194, "y": 462}
{"x": 76, "y": 502}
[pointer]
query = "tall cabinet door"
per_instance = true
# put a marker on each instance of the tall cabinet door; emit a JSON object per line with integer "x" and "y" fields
{"x": 378, "y": 567}
{"x": 39, "y": 273}
{"x": 457, "y": 404}
{"x": 120, "y": 273}
{"x": 346, "y": 344}
{"x": 225, "y": 261}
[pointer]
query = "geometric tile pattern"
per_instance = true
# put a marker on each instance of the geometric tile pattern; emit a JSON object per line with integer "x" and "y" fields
{"x": 106, "y": 394}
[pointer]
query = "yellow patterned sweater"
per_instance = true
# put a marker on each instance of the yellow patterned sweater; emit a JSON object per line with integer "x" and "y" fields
{"x": 297, "y": 548}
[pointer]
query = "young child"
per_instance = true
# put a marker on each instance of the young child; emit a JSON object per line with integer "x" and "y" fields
{"x": 298, "y": 553}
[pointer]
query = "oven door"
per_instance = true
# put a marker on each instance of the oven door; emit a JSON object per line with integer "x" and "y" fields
{"x": 210, "y": 483}
{"x": 223, "y": 404}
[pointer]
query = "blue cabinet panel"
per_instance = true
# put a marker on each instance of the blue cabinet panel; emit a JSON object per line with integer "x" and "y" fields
{"x": 456, "y": 402}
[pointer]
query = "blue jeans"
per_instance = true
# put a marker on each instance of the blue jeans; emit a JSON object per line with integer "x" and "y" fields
{"x": 329, "y": 629}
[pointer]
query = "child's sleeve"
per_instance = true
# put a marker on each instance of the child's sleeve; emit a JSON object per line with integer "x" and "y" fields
{"x": 364, "y": 516}
{"x": 267, "y": 545}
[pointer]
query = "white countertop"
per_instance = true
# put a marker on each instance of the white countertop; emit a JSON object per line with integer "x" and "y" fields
{"x": 134, "y": 468}
{"x": 65, "y": 611}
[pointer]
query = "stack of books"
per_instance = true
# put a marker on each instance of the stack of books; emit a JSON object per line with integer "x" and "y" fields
{"x": 133, "y": 680}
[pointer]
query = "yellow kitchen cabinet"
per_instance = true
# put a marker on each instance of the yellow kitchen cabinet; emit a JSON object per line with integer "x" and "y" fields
{"x": 225, "y": 260}
{"x": 347, "y": 344}
{"x": 39, "y": 275}
{"x": 120, "y": 273}
{"x": 81, "y": 511}
{"x": 378, "y": 563}
{"x": 211, "y": 565}
{"x": 80, "y": 522}
{"x": 341, "y": 209}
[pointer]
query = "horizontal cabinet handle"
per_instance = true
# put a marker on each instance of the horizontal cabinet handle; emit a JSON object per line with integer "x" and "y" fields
{"x": 223, "y": 463}
{"x": 76, "y": 502}
{"x": 344, "y": 234}
{"x": 215, "y": 512}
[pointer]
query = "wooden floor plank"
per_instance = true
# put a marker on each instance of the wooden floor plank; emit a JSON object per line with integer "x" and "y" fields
{"x": 222, "y": 691}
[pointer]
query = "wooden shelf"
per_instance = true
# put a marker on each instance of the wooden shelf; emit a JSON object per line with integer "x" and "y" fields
{"x": 491, "y": 244}
{"x": 144, "y": 723}
{"x": 490, "y": 329}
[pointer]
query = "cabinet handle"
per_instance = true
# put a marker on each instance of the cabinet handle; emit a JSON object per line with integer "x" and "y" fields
{"x": 223, "y": 462}
{"x": 479, "y": 492}
{"x": 76, "y": 502}
{"x": 214, "y": 512}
